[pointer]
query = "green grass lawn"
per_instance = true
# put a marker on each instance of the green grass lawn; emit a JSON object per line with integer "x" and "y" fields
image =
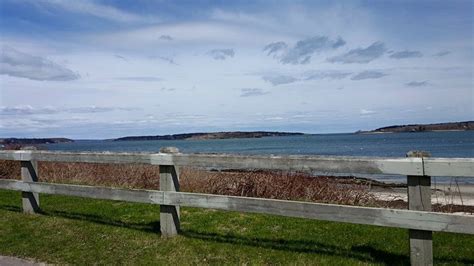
{"x": 84, "y": 231}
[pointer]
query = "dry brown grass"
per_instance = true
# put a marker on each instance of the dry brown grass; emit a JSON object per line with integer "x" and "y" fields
{"x": 115, "y": 175}
{"x": 10, "y": 169}
{"x": 262, "y": 184}
{"x": 275, "y": 185}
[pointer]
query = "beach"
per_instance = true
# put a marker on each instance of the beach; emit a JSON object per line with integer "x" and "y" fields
{"x": 444, "y": 194}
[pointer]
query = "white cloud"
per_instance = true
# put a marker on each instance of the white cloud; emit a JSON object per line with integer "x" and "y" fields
{"x": 97, "y": 109}
{"x": 335, "y": 75}
{"x": 417, "y": 83}
{"x": 360, "y": 55}
{"x": 406, "y": 54}
{"x": 121, "y": 57}
{"x": 221, "y": 54}
{"x": 95, "y": 9}
{"x": 187, "y": 35}
{"x": 26, "y": 110}
{"x": 302, "y": 51}
{"x": 18, "y": 64}
{"x": 368, "y": 74}
{"x": 276, "y": 49}
{"x": 250, "y": 92}
{"x": 141, "y": 78}
{"x": 169, "y": 60}
{"x": 442, "y": 53}
{"x": 279, "y": 79}
{"x": 22, "y": 110}
{"x": 166, "y": 38}
{"x": 366, "y": 112}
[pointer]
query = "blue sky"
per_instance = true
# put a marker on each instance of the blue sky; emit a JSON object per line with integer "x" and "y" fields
{"x": 102, "y": 69}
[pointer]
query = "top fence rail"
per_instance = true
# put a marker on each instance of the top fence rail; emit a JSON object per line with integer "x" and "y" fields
{"x": 455, "y": 167}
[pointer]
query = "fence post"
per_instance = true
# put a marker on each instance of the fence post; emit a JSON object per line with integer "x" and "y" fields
{"x": 29, "y": 173}
{"x": 169, "y": 181}
{"x": 419, "y": 198}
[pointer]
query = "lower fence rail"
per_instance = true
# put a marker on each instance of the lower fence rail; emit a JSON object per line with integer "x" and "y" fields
{"x": 408, "y": 219}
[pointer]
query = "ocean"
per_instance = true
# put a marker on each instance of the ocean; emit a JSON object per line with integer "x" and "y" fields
{"x": 454, "y": 144}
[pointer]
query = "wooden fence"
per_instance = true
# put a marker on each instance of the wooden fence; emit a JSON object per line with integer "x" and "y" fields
{"x": 417, "y": 166}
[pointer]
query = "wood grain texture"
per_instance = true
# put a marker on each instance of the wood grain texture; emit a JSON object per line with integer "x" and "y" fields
{"x": 130, "y": 195}
{"x": 419, "y": 199}
{"x": 30, "y": 200}
{"x": 419, "y": 220}
{"x": 169, "y": 181}
{"x": 456, "y": 167}
{"x": 336, "y": 164}
{"x": 461, "y": 167}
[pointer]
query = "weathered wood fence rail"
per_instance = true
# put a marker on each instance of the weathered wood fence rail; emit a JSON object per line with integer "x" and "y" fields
{"x": 418, "y": 168}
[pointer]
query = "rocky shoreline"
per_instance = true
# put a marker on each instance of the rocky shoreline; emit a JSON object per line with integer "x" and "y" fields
{"x": 211, "y": 135}
{"x": 451, "y": 126}
{"x": 33, "y": 141}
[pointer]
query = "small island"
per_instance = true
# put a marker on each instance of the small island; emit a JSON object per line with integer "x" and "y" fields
{"x": 450, "y": 126}
{"x": 211, "y": 135}
{"x": 33, "y": 141}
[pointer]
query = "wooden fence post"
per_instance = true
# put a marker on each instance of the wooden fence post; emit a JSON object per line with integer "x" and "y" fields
{"x": 29, "y": 173}
{"x": 419, "y": 198}
{"x": 169, "y": 181}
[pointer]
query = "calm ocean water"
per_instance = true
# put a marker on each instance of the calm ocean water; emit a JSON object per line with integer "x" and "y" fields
{"x": 439, "y": 144}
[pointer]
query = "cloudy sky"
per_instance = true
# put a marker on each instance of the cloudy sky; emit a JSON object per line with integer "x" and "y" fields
{"x": 102, "y": 69}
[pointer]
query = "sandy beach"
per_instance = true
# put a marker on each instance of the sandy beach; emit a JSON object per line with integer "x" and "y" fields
{"x": 443, "y": 194}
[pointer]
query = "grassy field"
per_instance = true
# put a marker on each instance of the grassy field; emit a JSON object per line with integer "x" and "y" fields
{"x": 85, "y": 231}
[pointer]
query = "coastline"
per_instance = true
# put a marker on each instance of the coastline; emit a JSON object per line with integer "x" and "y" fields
{"x": 437, "y": 127}
{"x": 443, "y": 194}
{"x": 425, "y": 131}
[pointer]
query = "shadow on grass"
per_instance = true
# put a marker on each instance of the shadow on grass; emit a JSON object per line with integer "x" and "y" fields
{"x": 361, "y": 253}
{"x": 10, "y": 208}
{"x": 364, "y": 253}
{"x": 153, "y": 227}
{"x": 301, "y": 246}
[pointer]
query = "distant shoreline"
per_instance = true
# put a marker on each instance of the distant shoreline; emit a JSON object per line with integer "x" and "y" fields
{"x": 33, "y": 141}
{"x": 438, "y": 127}
{"x": 212, "y": 135}
{"x": 411, "y": 128}
{"x": 392, "y": 132}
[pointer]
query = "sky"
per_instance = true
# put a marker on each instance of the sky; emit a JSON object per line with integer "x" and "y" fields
{"x": 102, "y": 69}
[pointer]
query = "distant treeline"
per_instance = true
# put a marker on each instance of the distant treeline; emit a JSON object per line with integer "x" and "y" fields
{"x": 461, "y": 126}
{"x": 213, "y": 135}
{"x": 33, "y": 141}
